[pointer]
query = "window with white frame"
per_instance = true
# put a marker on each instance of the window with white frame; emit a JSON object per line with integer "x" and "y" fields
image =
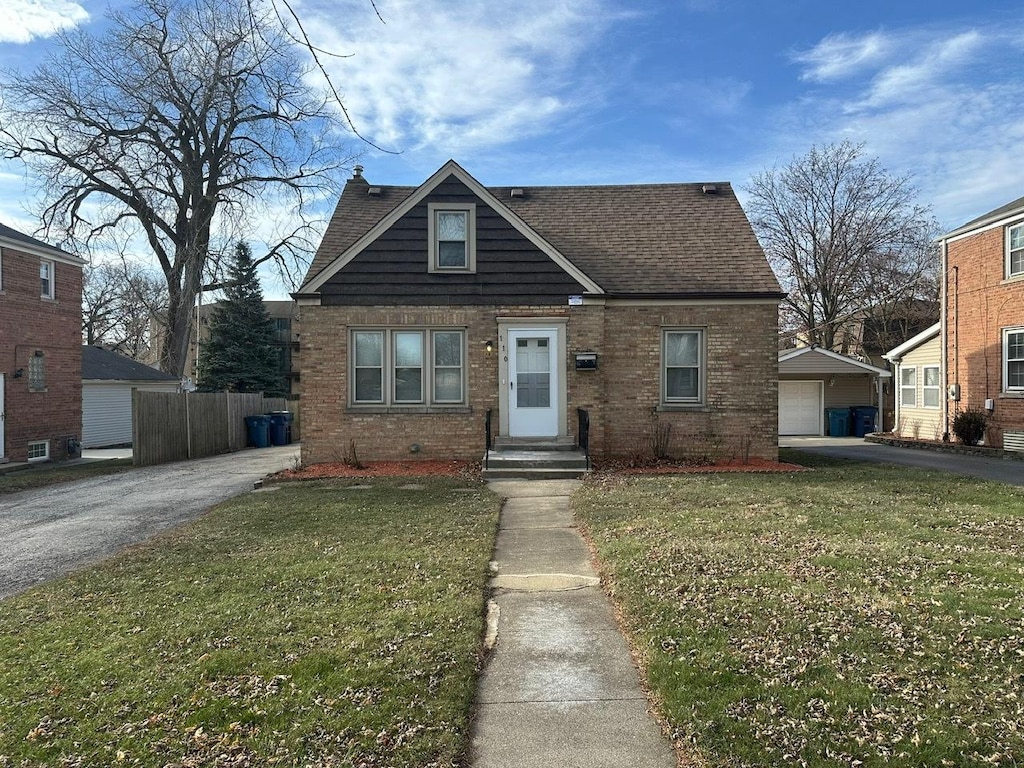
{"x": 908, "y": 387}
{"x": 46, "y": 279}
{"x": 1013, "y": 360}
{"x": 451, "y": 230}
{"x": 421, "y": 366}
{"x": 1015, "y": 250}
{"x": 37, "y": 372}
{"x": 682, "y": 366}
{"x": 931, "y": 392}
{"x": 39, "y": 451}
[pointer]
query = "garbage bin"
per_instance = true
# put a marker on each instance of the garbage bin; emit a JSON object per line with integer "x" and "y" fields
{"x": 838, "y": 422}
{"x": 280, "y": 427}
{"x": 258, "y": 431}
{"x": 863, "y": 417}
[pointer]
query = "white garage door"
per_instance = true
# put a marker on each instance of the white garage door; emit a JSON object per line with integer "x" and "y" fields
{"x": 801, "y": 410}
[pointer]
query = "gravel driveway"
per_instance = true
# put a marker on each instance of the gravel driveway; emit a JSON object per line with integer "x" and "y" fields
{"x": 47, "y": 532}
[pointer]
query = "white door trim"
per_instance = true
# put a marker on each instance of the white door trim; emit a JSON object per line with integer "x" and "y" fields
{"x": 3, "y": 416}
{"x": 554, "y": 326}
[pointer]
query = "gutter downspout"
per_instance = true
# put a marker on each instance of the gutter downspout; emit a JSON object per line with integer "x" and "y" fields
{"x": 944, "y": 340}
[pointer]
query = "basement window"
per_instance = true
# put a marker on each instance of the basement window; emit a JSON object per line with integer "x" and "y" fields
{"x": 39, "y": 451}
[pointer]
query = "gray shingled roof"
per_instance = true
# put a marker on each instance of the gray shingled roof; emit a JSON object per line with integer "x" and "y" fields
{"x": 102, "y": 364}
{"x": 1011, "y": 208}
{"x": 643, "y": 239}
{"x": 13, "y": 234}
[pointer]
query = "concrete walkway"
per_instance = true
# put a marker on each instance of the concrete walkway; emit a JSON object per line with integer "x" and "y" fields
{"x": 560, "y": 688}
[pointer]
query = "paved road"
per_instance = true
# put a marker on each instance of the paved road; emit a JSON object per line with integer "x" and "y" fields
{"x": 1000, "y": 470}
{"x": 49, "y": 531}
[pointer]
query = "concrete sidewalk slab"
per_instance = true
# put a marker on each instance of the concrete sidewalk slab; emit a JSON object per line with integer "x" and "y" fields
{"x": 541, "y": 550}
{"x": 560, "y": 688}
{"x": 536, "y": 512}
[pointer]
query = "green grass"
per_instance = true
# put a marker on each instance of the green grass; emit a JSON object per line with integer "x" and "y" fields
{"x": 853, "y": 615}
{"x": 317, "y": 624}
{"x": 24, "y": 479}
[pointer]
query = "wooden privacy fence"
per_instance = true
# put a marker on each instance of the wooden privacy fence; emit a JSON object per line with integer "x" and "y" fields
{"x": 173, "y": 426}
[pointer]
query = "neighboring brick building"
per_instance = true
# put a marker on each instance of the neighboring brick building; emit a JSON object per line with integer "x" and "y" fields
{"x": 40, "y": 349}
{"x": 983, "y": 322}
{"x": 650, "y": 306}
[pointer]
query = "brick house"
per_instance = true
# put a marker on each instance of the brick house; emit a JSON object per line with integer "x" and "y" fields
{"x": 40, "y": 349}
{"x": 982, "y": 326}
{"x": 652, "y": 307}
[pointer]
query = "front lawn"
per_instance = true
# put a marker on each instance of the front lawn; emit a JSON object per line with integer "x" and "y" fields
{"x": 317, "y": 624}
{"x": 856, "y": 615}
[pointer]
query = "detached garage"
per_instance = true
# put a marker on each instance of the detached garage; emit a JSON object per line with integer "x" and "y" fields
{"x": 812, "y": 379}
{"x": 107, "y": 383}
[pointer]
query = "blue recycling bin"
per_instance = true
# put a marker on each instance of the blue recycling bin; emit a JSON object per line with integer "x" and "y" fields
{"x": 257, "y": 430}
{"x": 280, "y": 427}
{"x": 838, "y": 422}
{"x": 863, "y": 418}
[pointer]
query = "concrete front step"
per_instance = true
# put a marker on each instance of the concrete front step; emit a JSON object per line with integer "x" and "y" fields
{"x": 532, "y": 473}
{"x": 566, "y": 443}
{"x": 550, "y": 465}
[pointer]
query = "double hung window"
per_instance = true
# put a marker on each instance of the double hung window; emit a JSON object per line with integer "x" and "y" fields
{"x": 1015, "y": 250}
{"x": 46, "y": 279}
{"x": 931, "y": 392}
{"x": 908, "y": 387}
{"x": 452, "y": 237}
{"x": 408, "y": 367}
{"x": 683, "y": 367}
{"x": 1013, "y": 360}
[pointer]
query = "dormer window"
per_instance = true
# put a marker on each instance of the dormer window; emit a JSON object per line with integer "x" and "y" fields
{"x": 452, "y": 237}
{"x": 1015, "y": 251}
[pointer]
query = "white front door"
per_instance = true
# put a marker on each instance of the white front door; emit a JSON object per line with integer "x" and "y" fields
{"x": 2, "y": 416}
{"x": 533, "y": 383}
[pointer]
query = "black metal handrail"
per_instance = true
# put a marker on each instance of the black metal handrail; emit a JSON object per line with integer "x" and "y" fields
{"x": 487, "y": 437}
{"x": 583, "y": 432}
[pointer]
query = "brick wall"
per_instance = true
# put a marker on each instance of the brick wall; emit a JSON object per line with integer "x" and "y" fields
{"x": 980, "y": 303}
{"x": 738, "y": 420}
{"x": 30, "y": 324}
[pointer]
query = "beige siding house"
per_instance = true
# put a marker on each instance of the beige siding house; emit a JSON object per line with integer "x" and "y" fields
{"x": 918, "y": 385}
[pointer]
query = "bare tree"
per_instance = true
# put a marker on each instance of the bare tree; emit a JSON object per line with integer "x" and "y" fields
{"x": 120, "y": 307}
{"x": 185, "y": 123}
{"x": 843, "y": 236}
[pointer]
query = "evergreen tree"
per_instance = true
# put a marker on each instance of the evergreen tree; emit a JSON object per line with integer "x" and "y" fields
{"x": 240, "y": 354}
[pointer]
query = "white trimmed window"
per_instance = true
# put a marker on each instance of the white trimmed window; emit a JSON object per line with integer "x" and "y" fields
{"x": 908, "y": 387}
{"x": 39, "y": 451}
{"x": 451, "y": 230}
{"x": 419, "y": 366}
{"x": 1013, "y": 360}
{"x": 46, "y": 279}
{"x": 682, "y": 370}
{"x": 1015, "y": 250}
{"x": 931, "y": 391}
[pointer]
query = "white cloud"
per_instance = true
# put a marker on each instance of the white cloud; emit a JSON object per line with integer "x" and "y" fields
{"x": 941, "y": 104}
{"x": 460, "y": 74}
{"x": 21, "y": 21}
{"x": 839, "y": 56}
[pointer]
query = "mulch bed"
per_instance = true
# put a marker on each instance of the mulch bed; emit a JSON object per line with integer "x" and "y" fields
{"x": 471, "y": 469}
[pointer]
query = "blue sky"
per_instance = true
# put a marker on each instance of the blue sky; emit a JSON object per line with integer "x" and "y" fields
{"x": 605, "y": 91}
